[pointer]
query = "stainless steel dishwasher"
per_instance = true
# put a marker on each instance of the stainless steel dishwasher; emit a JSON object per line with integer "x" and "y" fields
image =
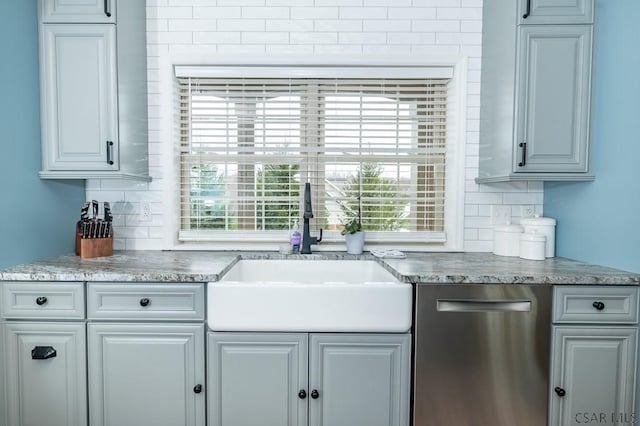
{"x": 481, "y": 355}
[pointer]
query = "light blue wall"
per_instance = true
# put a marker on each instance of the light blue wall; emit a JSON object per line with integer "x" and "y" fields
{"x": 599, "y": 222}
{"x": 36, "y": 217}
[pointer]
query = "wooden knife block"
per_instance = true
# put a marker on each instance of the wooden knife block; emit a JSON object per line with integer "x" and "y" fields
{"x": 93, "y": 247}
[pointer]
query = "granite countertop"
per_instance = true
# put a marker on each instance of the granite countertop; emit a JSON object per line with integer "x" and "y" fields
{"x": 426, "y": 268}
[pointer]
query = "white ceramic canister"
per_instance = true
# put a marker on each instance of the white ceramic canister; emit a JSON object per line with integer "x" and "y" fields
{"x": 506, "y": 240}
{"x": 545, "y": 226}
{"x": 532, "y": 246}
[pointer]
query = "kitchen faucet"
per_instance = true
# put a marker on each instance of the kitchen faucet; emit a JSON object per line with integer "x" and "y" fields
{"x": 307, "y": 239}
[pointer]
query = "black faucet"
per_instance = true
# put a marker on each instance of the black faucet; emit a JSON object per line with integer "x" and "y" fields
{"x": 307, "y": 239}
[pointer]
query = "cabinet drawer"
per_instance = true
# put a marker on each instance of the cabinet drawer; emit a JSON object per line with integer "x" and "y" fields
{"x": 43, "y": 300}
{"x": 605, "y": 305}
{"x": 146, "y": 301}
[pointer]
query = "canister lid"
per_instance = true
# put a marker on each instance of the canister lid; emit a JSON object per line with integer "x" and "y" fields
{"x": 533, "y": 237}
{"x": 514, "y": 229}
{"x": 538, "y": 221}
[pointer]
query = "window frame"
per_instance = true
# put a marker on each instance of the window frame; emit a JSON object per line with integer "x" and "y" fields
{"x": 271, "y": 240}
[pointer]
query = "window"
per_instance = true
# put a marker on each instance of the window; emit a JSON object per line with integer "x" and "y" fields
{"x": 374, "y": 145}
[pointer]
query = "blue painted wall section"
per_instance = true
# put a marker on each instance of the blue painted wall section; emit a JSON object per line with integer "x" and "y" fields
{"x": 599, "y": 222}
{"x": 36, "y": 217}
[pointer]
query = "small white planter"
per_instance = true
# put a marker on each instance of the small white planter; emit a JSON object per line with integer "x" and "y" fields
{"x": 355, "y": 242}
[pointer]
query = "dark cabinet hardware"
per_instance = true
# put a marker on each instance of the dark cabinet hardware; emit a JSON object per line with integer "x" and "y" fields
{"x": 528, "y": 11}
{"x": 560, "y": 391}
{"x": 41, "y": 301}
{"x": 107, "y": 8}
{"x": 315, "y": 394}
{"x": 145, "y": 302}
{"x": 302, "y": 394}
{"x": 110, "y": 153}
{"x": 598, "y": 305}
{"x": 523, "y": 163}
{"x": 197, "y": 388}
{"x": 43, "y": 352}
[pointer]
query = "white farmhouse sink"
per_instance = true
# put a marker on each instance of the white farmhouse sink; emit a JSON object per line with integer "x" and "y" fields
{"x": 309, "y": 295}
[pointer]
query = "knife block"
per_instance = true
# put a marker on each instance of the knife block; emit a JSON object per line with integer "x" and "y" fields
{"x": 93, "y": 247}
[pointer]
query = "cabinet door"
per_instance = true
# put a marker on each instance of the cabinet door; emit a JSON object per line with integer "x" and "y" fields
{"x": 556, "y": 11}
{"x": 78, "y": 11}
{"x": 593, "y": 372}
{"x": 146, "y": 374}
{"x": 554, "y": 93}
{"x": 51, "y": 391}
{"x": 79, "y": 100}
{"x": 359, "y": 379}
{"x": 255, "y": 379}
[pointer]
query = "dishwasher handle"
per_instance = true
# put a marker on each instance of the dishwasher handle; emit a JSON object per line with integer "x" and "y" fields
{"x": 449, "y": 305}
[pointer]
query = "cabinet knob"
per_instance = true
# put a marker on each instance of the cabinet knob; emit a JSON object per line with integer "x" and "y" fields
{"x": 560, "y": 391}
{"x": 197, "y": 388}
{"x": 302, "y": 394}
{"x": 145, "y": 302}
{"x": 41, "y": 301}
{"x": 598, "y": 305}
{"x": 315, "y": 394}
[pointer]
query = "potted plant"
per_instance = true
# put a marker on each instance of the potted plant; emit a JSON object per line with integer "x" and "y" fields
{"x": 353, "y": 233}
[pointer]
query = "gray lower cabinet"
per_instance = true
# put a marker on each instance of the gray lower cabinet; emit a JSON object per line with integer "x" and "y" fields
{"x": 256, "y": 378}
{"x": 317, "y": 379}
{"x": 146, "y": 374}
{"x": 360, "y": 379}
{"x": 45, "y": 366}
{"x": 593, "y": 375}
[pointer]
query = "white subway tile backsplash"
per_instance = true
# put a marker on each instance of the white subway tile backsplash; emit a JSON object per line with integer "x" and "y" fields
{"x": 265, "y": 38}
{"x": 299, "y": 25}
{"x": 336, "y": 25}
{"x": 305, "y": 28}
{"x": 419, "y": 13}
{"x": 241, "y": 25}
{"x": 208, "y": 12}
{"x": 362, "y": 38}
{"x": 363, "y": 13}
{"x": 386, "y": 25}
{"x": 272, "y": 12}
{"x": 313, "y": 38}
{"x": 315, "y": 13}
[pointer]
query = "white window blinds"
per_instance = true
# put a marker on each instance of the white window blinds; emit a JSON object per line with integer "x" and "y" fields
{"x": 374, "y": 145}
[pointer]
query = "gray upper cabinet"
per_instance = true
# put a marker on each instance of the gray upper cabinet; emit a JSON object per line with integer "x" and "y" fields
{"x": 535, "y": 100}
{"x": 556, "y": 11}
{"x": 554, "y": 90}
{"x": 45, "y": 366}
{"x": 146, "y": 374}
{"x": 359, "y": 380}
{"x": 256, "y": 379}
{"x": 593, "y": 372}
{"x": 79, "y": 99}
{"x": 93, "y": 89}
{"x": 78, "y": 11}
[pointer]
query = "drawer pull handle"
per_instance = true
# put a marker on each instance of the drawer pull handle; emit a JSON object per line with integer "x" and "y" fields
{"x": 197, "y": 388}
{"x": 144, "y": 302}
{"x": 561, "y": 392}
{"x": 43, "y": 352}
{"x": 315, "y": 394}
{"x": 41, "y": 301}
{"x": 598, "y": 305}
{"x": 302, "y": 394}
{"x": 110, "y": 153}
{"x": 527, "y": 13}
